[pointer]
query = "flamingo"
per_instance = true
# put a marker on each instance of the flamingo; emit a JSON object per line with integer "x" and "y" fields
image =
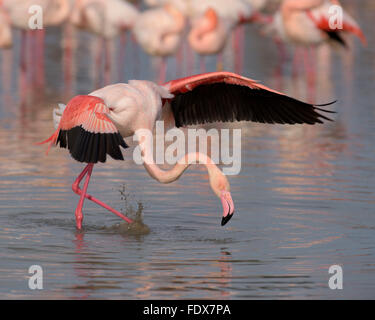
{"x": 208, "y": 34}
{"x": 105, "y": 18}
{"x": 306, "y": 22}
{"x": 158, "y": 31}
{"x": 229, "y": 16}
{"x": 306, "y": 25}
{"x": 93, "y": 126}
{"x": 55, "y": 12}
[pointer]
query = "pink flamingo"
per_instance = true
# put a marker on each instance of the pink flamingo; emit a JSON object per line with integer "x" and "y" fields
{"x": 55, "y": 12}
{"x": 107, "y": 19}
{"x": 158, "y": 31}
{"x": 213, "y": 21}
{"x": 208, "y": 34}
{"x": 92, "y": 126}
{"x": 306, "y": 23}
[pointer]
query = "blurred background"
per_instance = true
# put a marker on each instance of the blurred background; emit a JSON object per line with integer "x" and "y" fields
{"x": 304, "y": 197}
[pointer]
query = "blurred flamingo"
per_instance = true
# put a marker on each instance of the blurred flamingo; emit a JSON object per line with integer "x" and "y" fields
{"x": 107, "y": 19}
{"x": 92, "y": 126}
{"x": 158, "y": 31}
{"x": 17, "y": 12}
{"x": 306, "y": 23}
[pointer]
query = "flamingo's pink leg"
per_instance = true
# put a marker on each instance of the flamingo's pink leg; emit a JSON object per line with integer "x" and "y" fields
{"x": 180, "y": 60}
{"x": 79, "y": 215}
{"x": 237, "y": 49}
{"x": 40, "y": 48}
{"x": 78, "y": 191}
{"x": 68, "y": 57}
{"x": 202, "y": 64}
{"x": 296, "y": 61}
{"x": 190, "y": 61}
{"x": 98, "y": 61}
{"x": 107, "y": 66}
{"x": 23, "y": 62}
{"x": 219, "y": 61}
{"x": 121, "y": 56}
{"x": 162, "y": 70}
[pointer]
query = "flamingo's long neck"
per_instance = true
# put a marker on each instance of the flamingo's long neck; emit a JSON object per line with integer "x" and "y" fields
{"x": 210, "y": 24}
{"x": 179, "y": 18}
{"x": 217, "y": 179}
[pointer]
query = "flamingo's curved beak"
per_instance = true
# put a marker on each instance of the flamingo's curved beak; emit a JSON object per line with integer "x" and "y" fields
{"x": 228, "y": 207}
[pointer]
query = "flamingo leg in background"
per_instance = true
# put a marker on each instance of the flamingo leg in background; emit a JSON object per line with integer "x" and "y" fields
{"x": 98, "y": 61}
{"x": 202, "y": 62}
{"x": 162, "y": 70}
{"x": 238, "y": 39}
{"x": 83, "y": 193}
{"x": 39, "y": 72}
{"x": 107, "y": 61}
{"x": 190, "y": 61}
{"x": 121, "y": 56}
{"x": 296, "y": 61}
{"x": 180, "y": 60}
{"x": 308, "y": 58}
{"x": 219, "y": 62}
{"x": 23, "y": 61}
{"x": 68, "y": 57}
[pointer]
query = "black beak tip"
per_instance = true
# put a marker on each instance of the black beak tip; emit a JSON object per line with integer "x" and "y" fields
{"x": 225, "y": 220}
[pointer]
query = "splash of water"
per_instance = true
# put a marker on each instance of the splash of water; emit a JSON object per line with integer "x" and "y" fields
{"x": 134, "y": 212}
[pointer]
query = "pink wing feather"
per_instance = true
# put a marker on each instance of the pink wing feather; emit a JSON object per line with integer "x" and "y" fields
{"x": 87, "y": 132}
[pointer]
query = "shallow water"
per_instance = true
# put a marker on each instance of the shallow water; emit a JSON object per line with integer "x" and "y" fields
{"x": 304, "y": 197}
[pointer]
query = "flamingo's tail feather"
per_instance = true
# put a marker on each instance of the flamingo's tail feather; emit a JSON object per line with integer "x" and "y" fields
{"x": 51, "y": 140}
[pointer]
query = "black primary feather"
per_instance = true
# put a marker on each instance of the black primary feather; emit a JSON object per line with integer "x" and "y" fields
{"x": 91, "y": 147}
{"x": 224, "y": 102}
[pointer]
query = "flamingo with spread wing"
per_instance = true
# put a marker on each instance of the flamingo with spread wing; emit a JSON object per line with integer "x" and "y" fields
{"x": 95, "y": 125}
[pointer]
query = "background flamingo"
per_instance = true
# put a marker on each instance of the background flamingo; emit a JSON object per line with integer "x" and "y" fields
{"x": 17, "y": 14}
{"x": 158, "y": 31}
{"x": 93, "y": 126}
{"x": 107, "y": 19}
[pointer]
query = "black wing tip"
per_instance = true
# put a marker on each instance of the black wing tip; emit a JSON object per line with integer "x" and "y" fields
{"x": 88, "y": 147}
{"x": 320, "y": 115}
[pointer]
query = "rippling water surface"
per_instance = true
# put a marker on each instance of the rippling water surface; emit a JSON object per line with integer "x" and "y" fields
{"x": 304, "y": 197}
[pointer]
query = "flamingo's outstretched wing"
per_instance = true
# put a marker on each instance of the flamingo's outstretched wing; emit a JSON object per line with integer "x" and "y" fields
{"x": 228, "y": 97}
{"x": 87, "y": 132}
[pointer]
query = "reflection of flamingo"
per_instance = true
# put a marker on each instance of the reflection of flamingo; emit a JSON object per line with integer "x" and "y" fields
{"x": 93, "y": 126}
{"x": 159, "y": 32}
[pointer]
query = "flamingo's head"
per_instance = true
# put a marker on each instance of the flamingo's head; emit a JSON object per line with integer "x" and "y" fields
{"x": 228, "y": 207}
{"x": 220, "y": 185}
